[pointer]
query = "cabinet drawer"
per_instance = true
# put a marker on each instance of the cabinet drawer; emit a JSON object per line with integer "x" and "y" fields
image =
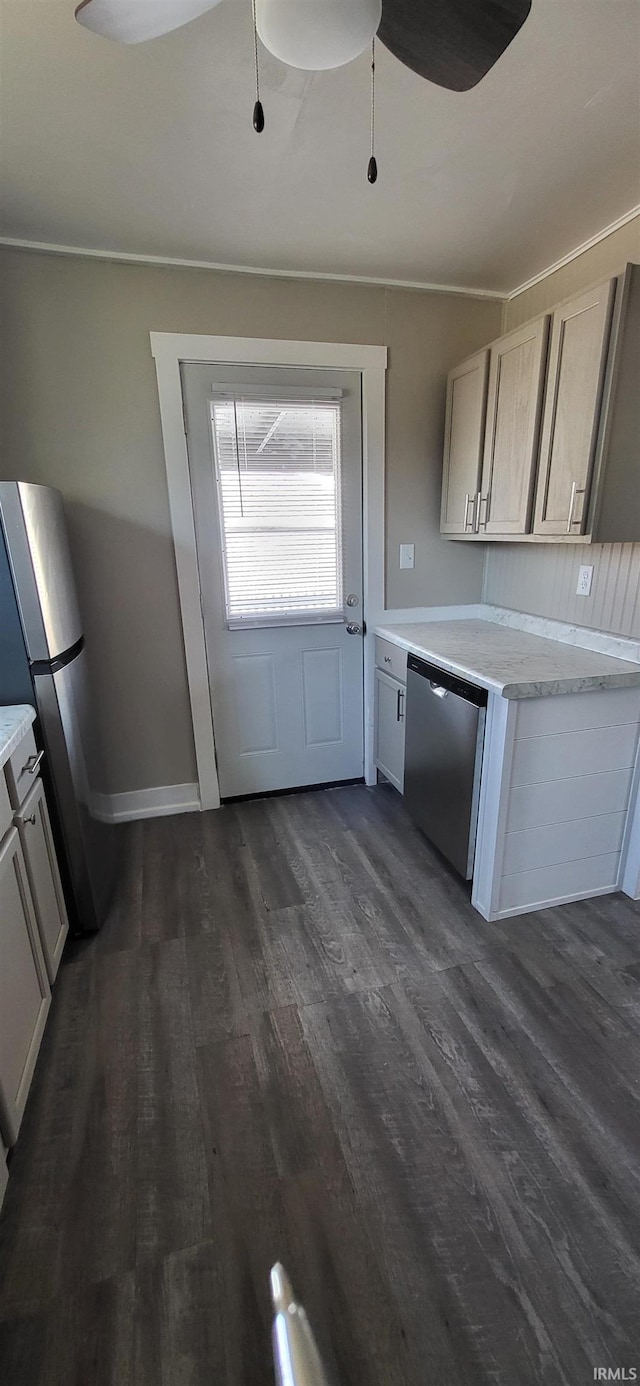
{"x": 44, "y": 878}
{"x": 391, "y": 658}
{"x": 24, "y": 989}
{"x": 22, "y": 769}
{"x": 5, "y": 808}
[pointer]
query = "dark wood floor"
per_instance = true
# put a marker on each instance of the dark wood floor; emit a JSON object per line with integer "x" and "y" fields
{"x": 295, "y": 1039}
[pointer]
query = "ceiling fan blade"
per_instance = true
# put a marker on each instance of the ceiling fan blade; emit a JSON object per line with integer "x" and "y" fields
{"x": 133, "y": 21}
{"x": 451, "y": 42}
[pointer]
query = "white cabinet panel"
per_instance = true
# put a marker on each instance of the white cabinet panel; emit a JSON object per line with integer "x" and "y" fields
{"x": 563, "y": 842}
{"x": 44, "y": 879}
{"x": 6, "y": 811}
{"x": 540, "y": 758}
{"x": 389, "y": 744}
{"x": 560, "y": 801}
{"x": 551, "y": 885}
{"x": 24, "y": 989}
{"x": 605, "y": 707}
{"x": 392, "y": 659}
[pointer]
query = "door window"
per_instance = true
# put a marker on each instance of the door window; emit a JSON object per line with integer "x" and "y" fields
{"x": 277, "y": 466}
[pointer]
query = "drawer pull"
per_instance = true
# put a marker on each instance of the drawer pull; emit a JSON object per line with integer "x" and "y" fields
{"x": 387, "y": 659}
{"x": 31, "y": 765}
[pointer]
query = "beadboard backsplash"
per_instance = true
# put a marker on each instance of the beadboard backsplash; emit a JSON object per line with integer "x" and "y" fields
{"x": 542, "y": 579}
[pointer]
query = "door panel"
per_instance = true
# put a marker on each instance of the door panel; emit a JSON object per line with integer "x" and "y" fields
{"x": 254, "y": 688}
{"x": 287, "y": 699}
{"x": 464, "y": 436}
{"x": 516, "y": 377}
{"x": 579, "y": 341}
{"x": 322, "y": 696}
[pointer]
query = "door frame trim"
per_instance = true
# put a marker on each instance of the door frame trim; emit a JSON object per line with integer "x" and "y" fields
{"x": 171, "y": 350}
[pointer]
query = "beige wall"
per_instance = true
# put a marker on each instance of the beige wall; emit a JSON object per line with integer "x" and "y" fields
{"x": 79, "y": 410}
{"x": 542, "y": 578}
{"x": 606, "y": 258}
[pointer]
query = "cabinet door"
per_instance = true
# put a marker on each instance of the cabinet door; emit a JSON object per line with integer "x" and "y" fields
{"x": 44, "y": 878}
{"x": 579, "y": 340}
{"x": 516, "y": 375}
{"x": 390, "y": 701}
{"x": 24, "y": 989}
{"x": 463, "y": 440}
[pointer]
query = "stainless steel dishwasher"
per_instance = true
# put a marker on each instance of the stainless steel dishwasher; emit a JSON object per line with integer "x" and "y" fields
{"x": 444, "y": 736}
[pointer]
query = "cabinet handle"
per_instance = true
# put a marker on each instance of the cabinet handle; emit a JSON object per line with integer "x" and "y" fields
{"x": 575, "y": 491}
{"x": 33, "y": 820}
{"x": 400, "y": 705}
{"x": 477, "y": 500}
{"x": 387, "y": 659}
{"x": 469, "y": 500}
{"x": 483, "y": 500}
{"x": 31, "y": 765}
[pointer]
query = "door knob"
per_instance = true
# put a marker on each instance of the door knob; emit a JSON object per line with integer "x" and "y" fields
{"x": 353, "y": 628}
{"x": 352, "y": 599}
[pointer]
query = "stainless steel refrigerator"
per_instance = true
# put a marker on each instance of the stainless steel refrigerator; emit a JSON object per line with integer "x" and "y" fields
{"x": 43, "y": 662}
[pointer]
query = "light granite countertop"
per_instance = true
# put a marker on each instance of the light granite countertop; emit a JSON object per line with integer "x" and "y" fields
{"x": 14, "y": 722}
{"x": 511, "y": 662}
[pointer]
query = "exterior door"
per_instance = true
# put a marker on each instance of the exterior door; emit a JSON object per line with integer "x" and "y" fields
{"x": 275, "y": 458}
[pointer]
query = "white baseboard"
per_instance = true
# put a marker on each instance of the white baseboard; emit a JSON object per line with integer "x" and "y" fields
{"x": 146, "y": 803}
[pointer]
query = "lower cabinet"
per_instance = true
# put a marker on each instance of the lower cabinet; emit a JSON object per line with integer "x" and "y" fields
{"x": 389, "y": 723}
{"x": 24, "y": 987}
{"x": 34, "y": 828}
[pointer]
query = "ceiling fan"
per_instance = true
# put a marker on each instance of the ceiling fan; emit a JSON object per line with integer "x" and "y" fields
{"x": 453, "y": 43}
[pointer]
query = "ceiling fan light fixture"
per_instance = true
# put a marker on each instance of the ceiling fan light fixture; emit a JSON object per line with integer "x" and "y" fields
{"x": 317, "y": 34}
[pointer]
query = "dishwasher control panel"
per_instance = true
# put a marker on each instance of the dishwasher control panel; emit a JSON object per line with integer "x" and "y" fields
{"x": 452, "y": 683}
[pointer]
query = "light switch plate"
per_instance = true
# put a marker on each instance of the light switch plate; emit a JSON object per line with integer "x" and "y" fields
{"x": 407, "y": 555}
{"x": 585, "y": 576}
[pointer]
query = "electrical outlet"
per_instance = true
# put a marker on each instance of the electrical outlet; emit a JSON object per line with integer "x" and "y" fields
{"x": 407, "y": 555}
{"x": 584, "y": 581}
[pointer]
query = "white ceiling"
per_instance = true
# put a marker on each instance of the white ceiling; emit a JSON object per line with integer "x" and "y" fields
{"x": 150, "y": 149}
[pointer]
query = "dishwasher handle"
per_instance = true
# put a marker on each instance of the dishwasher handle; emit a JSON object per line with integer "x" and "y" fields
{"x": 440, "y": 682}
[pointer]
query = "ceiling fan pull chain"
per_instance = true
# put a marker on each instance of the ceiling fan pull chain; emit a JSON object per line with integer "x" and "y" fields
{"x": 372, "y": 169}
{"x": 258, "y": 110}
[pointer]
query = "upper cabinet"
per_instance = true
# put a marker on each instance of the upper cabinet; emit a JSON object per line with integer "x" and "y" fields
{"x": 577, "y": 357}
{"x": 561, "y": 427}
{"x": 463, "y": 434}
{"x": 516, "y": 379}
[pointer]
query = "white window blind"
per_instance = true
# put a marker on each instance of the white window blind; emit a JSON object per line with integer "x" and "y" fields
{"x": 278, "y": 477}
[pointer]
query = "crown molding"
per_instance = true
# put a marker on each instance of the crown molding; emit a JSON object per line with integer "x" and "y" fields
{"x": 574, "y": 254}
{"x": 367, "y": 281}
